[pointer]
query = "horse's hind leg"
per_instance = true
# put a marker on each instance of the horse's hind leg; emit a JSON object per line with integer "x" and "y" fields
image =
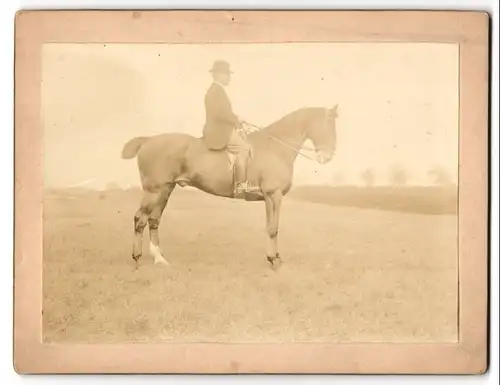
{"x": 148, "y": 203}
{"x": 154, "y": 224}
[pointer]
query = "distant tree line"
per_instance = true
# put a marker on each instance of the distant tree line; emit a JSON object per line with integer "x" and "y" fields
{"x": 398, "y": 176}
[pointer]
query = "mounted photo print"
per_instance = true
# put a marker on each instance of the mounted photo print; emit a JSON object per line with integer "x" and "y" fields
{"x": 251, "y": 192}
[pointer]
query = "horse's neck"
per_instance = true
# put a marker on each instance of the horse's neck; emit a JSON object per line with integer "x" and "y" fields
{"x": 287, "y": 136}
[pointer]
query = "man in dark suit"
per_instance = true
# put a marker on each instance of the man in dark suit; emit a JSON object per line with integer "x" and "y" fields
{"x": 223, "y": 128}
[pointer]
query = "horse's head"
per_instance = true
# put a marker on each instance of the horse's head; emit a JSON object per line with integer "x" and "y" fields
{"x": 322, "y": 133}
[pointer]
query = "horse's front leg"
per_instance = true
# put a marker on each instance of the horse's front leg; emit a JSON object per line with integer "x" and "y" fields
{"x": 273, "y": 207}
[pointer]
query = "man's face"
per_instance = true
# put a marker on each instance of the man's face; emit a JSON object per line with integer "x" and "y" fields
{"x": 223, "y": 78}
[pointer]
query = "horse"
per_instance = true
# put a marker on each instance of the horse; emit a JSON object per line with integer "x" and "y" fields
{"x": 177, "y": 159}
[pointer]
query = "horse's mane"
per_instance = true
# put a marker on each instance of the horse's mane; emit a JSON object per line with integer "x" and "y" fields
{"x": 298, "y": 116}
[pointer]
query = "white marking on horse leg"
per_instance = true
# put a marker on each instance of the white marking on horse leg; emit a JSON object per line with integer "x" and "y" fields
{"x": 155, "y": 251}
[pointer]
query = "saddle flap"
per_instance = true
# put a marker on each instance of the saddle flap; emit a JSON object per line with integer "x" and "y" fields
{"x": 232, "y": 158}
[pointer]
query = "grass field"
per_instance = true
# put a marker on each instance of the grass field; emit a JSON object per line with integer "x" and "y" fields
{"x": 358, "y": 265}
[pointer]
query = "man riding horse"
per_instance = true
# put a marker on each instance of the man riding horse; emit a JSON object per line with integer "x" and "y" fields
{"x": 170, "y": 159}
{"x": 223, "y": 129}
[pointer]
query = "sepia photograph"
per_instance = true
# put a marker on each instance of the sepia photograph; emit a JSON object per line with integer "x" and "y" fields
{"x": 249, "y": 191}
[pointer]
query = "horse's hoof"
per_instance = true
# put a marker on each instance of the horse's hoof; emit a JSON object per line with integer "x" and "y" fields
{"x": 136, "y": 262}
{"x": 274, "y": 261}
{"x": 136, "y": 257}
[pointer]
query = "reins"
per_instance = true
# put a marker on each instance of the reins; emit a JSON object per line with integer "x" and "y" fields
{"x": 297, "y": 150}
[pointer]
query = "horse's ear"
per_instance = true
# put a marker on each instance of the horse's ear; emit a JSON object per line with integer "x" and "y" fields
{"x": 333, "y": 110}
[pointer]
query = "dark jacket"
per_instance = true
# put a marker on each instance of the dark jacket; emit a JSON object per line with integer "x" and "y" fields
{"x": 220, "y": 119}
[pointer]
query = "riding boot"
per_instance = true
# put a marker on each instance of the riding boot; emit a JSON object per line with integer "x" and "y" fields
{"x": 241, "y": 183}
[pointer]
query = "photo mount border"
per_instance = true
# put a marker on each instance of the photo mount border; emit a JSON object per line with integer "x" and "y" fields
{"x": 469, "y": 29}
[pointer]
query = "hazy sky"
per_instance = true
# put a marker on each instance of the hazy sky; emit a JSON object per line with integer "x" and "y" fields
{"x": 398, "y": 102}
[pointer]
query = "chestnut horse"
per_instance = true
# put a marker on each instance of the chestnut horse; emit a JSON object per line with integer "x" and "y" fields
{"x": 171, "y": 159}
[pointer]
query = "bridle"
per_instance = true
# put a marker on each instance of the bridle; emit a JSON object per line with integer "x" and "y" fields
{"x": 291, "y": 147}
{"x": 294, "y": 149}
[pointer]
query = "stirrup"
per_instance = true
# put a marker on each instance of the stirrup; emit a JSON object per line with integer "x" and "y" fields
{"x": 241, "y": 188}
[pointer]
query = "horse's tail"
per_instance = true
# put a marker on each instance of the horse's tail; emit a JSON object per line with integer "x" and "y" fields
{"x": 131, "y": 148}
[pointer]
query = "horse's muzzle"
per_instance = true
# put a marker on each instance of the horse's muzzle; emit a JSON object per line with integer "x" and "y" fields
{"x": 324, "y": 157}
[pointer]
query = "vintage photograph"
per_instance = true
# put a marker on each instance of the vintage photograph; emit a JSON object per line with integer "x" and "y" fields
{"x": 250, "y": 192}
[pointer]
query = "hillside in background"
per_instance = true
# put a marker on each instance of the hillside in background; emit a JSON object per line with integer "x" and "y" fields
{"x": 412, "y": 199}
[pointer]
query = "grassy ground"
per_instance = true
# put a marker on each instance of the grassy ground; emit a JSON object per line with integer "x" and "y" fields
{"x": 349, "y": 273}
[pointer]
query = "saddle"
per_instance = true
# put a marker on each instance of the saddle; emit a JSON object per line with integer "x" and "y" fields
{"x": 232, "y": 157}
{"x": 254, "y": 193}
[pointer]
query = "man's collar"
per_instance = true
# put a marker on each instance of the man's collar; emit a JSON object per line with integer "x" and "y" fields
{"x": 219, "y": 84}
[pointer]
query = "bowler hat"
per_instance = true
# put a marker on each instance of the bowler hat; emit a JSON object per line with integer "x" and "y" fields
{"x": 221, "y": 66}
